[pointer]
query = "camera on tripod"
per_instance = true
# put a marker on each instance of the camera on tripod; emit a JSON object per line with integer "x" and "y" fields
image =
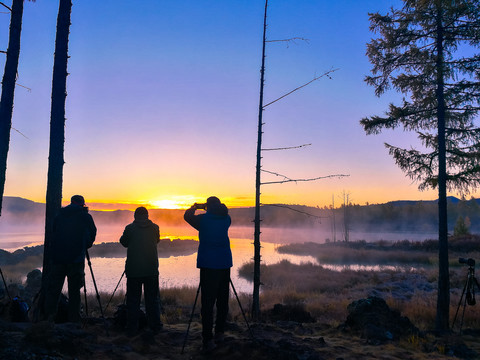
{"x": 469, "y": 261}
{"x": 468, "y": 293}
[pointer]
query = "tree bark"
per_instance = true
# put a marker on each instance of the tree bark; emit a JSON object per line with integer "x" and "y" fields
{"x": 256, "y": 241}
{"x": 8, "y": 89}
{"x": 57, "y": 127}
{"x": 443, "y": 297}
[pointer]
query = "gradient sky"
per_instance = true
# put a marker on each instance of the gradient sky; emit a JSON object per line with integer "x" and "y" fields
{"x": 162, "y": 103}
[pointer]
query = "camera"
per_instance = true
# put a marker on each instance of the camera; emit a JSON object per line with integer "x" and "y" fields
{"x": 200, "y": 206}
{"x": 469, "y": 261}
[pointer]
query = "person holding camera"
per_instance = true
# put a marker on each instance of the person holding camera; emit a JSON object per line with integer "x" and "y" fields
{"x": 74, "y": 231}
{"x": 141, "y": 268}
{"x": 214, "y": 259}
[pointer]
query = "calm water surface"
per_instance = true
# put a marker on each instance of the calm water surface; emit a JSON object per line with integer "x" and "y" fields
{"x": 181, "y": 270}
{"x": 174, "y": 270}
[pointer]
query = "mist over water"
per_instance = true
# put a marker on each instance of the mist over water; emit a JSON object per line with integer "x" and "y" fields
{"x": 181, "y": 270}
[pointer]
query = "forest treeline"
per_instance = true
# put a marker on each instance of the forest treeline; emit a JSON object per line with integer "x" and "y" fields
{"x": 421, "y": 216}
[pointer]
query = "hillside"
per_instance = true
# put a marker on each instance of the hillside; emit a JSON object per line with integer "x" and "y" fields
{"x": 399, "y": 215}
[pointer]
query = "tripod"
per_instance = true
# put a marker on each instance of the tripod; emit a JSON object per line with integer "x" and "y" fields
{"x": 468, "y": 290}
{"x": 5, "y": 284}
{"x": 193, "y": 311}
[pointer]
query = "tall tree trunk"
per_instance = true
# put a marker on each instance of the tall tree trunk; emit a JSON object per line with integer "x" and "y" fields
{"x": 8, "y": 89}
{"x": 256, "y": 242}
{"x": 57, "y": 127}
{"x": 443, "y": 297}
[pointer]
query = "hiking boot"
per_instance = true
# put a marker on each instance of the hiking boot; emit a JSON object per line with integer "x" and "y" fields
{"x": 208, "y": 347}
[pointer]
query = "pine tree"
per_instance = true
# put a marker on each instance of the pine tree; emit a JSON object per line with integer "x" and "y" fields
{"x": 426, "y": 51}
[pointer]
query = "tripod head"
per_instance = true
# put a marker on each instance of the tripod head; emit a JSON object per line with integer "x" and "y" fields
{"x": 470, "y": 262}
{"x": 471, "y": 265}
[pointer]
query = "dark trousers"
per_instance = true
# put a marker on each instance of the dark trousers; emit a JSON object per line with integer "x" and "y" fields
{"x": 215, "y": 285}
{"x": 152, "y": 302}
{"x": 75, "y": 275}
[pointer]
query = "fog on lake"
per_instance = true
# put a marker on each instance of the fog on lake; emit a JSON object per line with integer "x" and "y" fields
{"x": 181, "y": 270}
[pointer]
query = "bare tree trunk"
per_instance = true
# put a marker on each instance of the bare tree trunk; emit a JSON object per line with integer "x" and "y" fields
{"x": 256, "y": 242}
{"x": 346, "y": 220}
{"x": 8, "y": 89}
{"x": 334, "y": 227}
{"x": 443, "y": 297}
{"x": 57, "y": 127}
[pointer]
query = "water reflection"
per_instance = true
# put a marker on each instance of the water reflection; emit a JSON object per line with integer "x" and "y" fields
{"x": 182, "y": 271}
{"x": 178, "y": 271}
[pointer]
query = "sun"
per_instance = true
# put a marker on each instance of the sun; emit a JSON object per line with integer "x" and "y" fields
{"x": 167, "y": 204}
{"x": 173, "y": 202}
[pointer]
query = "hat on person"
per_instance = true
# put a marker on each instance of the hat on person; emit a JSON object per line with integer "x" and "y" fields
{"x": 141, "y": 213}
{"x": 78, "y": 200}
{"x": 212, "y": 201}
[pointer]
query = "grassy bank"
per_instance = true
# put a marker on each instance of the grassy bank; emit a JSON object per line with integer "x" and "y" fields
{"x": 404, "y": 274}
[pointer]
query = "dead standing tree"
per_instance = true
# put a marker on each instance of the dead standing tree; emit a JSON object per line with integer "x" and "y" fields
{"x": 259, "y": 170}
{"x": 8, "y": 87}
{"x": 57, "y": 129}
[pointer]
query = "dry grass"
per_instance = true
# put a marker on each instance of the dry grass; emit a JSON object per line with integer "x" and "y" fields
{"x": 409, "y": 288}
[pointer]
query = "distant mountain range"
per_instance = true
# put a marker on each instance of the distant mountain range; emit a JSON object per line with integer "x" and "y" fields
{"x": 396, "y": 215}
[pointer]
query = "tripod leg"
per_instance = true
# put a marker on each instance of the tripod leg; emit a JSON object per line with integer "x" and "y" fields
{"x": 475, "y": 282}
{"x": 94, "y": 284}
{"x": 116, "y": 287}
{"x": 191, "y": 317}
{"x": 460, "y": 303}
{"x": 85, "y": 295}
{"x": 5, "y": 284}
{"x": 241, "y": 308}
{"x": 96, "y": 290}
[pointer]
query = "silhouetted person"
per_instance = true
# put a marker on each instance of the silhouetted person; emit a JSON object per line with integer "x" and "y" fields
{"x": 214, "y": 259}
{"x": 141, "y": 268}
{"x": 74, "y": 232}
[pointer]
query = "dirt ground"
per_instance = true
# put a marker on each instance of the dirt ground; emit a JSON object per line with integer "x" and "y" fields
{"x": 101, "y": 339}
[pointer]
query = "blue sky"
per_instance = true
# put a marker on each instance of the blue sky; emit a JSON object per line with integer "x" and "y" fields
{"x": 162, "y": 103}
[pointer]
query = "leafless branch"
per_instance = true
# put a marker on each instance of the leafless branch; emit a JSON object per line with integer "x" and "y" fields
{"x": 18, "y": 131}
{"x": 276, "y": 174}
{"x": 3, "y": 51}
{"x": 287, "y": 148}
{"x": 1, "y": 3}
{"x": 25, "y": 87}
{"x": 288, "y": 41}
{"x": 326, "y": 73}
{"x": 303, "y": 180}
{"x": 299, "y": 211}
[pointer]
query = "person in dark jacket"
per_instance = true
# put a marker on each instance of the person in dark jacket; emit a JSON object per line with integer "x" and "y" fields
{"x": 214, "y": 259}
{"x": 141, "y": 268}
{"x": 74, "y": 231}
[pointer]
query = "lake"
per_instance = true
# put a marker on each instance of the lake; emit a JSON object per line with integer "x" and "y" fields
{"x": 181, "y": 270}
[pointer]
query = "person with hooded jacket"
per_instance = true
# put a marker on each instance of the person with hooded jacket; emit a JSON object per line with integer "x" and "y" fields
{"x": 141, "y": 268}
{"x": 74, "y": 232}
{"x": 214, "y": 259}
